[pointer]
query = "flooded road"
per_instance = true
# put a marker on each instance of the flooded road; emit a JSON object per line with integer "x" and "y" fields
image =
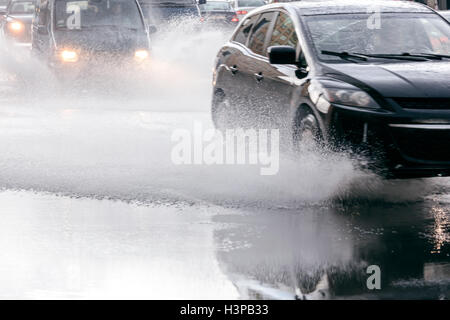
{"x": 93, "y": 206}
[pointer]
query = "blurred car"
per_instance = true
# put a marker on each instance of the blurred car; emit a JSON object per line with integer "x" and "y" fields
{"x": 445, "y": 14}
{"x": 219, "y": 13}
{"x": 159, "y": 12}
{"x": 242, "y": 7}
{"x": 79, "y": 36}
{"x": 16, "y": 24}
{"x": 316, "y": 72}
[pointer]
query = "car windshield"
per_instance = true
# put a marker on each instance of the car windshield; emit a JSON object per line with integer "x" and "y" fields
{"x": 215, "y": 6}
{"x": 75, "y": 15}
{"x": 22, "y": 7}
{"x": 395, "y": 34}
{"x": 250, "y": 3}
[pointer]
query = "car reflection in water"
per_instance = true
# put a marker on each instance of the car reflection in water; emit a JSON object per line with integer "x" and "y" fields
{"x": 323, "y": 252}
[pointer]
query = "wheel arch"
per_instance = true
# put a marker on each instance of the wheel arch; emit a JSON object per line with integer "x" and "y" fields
{"x": 305, "y": 107}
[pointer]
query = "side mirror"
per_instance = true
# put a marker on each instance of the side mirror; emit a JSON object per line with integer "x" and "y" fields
{"x": 282, "y": 55}
{"x": 303, "y": 68}
{"x": 201, "y": 1}
{"x": 152, "y": 29}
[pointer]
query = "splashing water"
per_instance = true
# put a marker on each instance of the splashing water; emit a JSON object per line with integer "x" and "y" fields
{"x": 116, "y": 142}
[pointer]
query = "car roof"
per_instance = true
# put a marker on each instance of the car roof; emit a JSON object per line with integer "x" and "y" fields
{"x": 319, "y": 7}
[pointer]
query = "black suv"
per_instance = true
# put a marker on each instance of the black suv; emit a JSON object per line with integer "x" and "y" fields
{"x": 331, "y": 73}
{"x": 77, "y": 35}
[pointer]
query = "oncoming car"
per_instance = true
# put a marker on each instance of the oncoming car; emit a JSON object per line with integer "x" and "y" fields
{"x": 324, "y": 72}
{"x": 16, "y": 24}
{"x": 76, "y": 36}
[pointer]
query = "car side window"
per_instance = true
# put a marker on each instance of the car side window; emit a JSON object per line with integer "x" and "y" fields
{"x": 284, "y": 32}
{"x": 243, "y": 32}
{"x": 259, "y": 33}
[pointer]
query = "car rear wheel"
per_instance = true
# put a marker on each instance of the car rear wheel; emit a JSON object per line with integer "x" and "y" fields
{"x": 306, "y": 132}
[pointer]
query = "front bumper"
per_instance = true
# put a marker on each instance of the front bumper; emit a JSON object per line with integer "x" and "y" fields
{"x": 401, "y": 143}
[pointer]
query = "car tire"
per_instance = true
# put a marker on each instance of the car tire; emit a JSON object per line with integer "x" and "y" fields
{"x": 306, "y": 133}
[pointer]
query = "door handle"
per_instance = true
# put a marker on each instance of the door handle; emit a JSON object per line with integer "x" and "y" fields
{"x": 259, "y": 76}
{"x": 233, "y": 69}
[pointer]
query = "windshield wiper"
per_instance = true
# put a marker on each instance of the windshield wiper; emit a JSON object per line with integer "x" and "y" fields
{"x": 434, "y": 56}
{"x": 344, "y": 55}
{"x": 400, "y": 56}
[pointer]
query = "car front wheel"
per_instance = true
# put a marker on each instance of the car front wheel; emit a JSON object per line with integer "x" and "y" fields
{"x": 306, "y": 131}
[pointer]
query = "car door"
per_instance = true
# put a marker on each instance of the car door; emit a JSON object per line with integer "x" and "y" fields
{"x": 232, "y": 60}
{"x": 253, "y": 70}
{"x": 277, "y": 81}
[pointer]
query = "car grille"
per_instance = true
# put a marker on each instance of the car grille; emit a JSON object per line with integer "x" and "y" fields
{"x": 424, "y": 103}
{"x": 425, "y": 145}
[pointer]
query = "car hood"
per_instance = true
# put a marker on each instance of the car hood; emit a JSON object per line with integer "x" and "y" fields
{"x": 102, "y": 40}
{"x": 410, "y": 79}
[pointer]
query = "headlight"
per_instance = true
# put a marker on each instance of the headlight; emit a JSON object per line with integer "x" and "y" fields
{"x": 15, "y": 26}
{"x": 141, "y": 55}
{"x": 69, "y": 56}
{"x": 340, "y": 93}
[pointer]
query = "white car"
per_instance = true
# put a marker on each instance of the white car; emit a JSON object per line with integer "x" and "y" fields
{"x": 242, "y": 7}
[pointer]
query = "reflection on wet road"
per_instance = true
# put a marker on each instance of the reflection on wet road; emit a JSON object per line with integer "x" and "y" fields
{"x": 325, "y": 251}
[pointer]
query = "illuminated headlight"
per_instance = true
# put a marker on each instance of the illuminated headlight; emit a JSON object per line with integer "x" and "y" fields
{"x": 15, "y": 26}
{"x": 141, "y": 55}
{"x": 340, "y": 93}
{"x": 69, "y": 56}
